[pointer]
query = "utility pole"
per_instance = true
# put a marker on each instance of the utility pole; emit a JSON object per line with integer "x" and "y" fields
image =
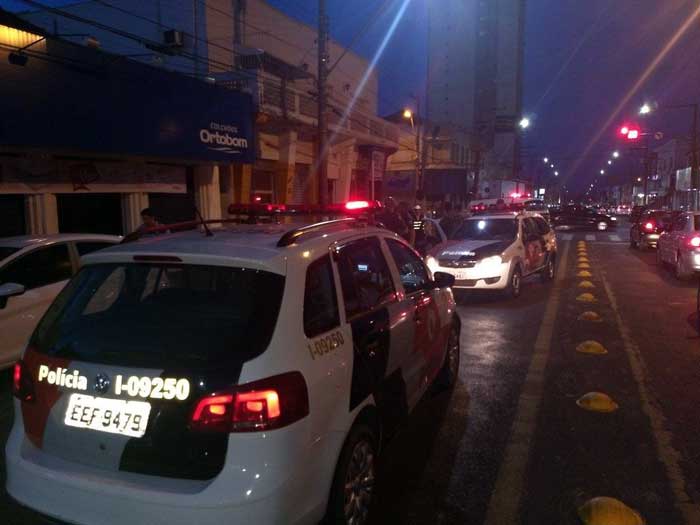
{"x": 322, "y": 158}
{"x": 695, "y": 168}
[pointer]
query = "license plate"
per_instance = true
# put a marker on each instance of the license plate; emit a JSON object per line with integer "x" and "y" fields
{"x": 461, "y": 275}
{"x": 116, "y": 416}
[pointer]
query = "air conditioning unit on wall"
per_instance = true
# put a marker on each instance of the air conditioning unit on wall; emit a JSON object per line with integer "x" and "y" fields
{"x": 173, "y": 38}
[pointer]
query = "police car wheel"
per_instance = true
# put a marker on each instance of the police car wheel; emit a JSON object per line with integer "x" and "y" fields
{"x": 353, "y": 483}
{"x": 515, "y": 282}
{"x": 447, "y": 377}
{"x": 549, "y": 270}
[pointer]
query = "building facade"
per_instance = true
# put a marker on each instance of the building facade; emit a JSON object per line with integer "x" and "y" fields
{"x": 475, "y": 80}
{"x": 88, "y": 138}
{"x": 249, "y": 46}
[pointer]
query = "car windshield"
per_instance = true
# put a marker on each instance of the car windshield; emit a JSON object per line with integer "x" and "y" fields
{"x": 162, "y": 315}
{"x": 486, "y": 229}
{"x": 6, "y": 251}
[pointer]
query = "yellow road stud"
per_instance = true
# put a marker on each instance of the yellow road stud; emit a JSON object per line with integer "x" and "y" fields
{"x": 608, "y": 511}
{"x": 590, "y": 316}
{"x": 583, "y": 259}
{"x": 586, "y": 298}
{"x": 597, "y": 402}
{"x": 586, "y": 284}
{"x": 584, "y": 273}
{"x": 584, "y": 266}
{"x": 591, "y": 347}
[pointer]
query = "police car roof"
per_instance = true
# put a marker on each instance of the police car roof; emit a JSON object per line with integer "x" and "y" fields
{"x": 251, "y": 246}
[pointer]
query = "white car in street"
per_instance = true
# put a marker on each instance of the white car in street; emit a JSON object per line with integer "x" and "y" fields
{"x": 495, "y": 251}
{"x": 679, "y": 245}
{"x": 33, "y": 269}
{"x": 243, "y": 377}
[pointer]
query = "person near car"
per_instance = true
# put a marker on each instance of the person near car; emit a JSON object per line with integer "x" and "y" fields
{"x": 148, "y": 221}
{"x": 391, "y": 218}
{"x": 451, "y": 220}
{"x": 408, "y": 217}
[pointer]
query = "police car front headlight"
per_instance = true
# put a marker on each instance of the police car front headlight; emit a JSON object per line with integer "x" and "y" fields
{"x": 433, "y": 264}
{"x": 490, "y": 264}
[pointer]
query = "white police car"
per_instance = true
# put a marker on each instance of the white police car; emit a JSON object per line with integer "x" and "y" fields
{"x": 495, "y": 251}
{"x": 243, "y": 377}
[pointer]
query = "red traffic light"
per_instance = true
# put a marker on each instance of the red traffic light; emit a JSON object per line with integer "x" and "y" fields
{"x": 630, "y": 132}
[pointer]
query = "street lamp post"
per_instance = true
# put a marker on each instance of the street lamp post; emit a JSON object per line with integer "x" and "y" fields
{"x": 417, "y": 127}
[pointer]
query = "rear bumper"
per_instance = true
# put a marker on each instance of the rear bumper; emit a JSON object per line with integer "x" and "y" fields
{"x": 651, "y": 240}
{"x": 691, "y": 260}
{"x": 250, "y": 492}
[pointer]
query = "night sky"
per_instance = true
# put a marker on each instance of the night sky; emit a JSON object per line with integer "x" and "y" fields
{"x": 582, "y": 58}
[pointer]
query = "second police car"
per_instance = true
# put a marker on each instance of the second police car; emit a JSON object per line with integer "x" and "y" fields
{"x": 495, "y": 251}
{"x": 243, "y": 377}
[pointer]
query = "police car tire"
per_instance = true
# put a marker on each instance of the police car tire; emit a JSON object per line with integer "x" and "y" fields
{"x": 510, "y": 290}
{"x": 548, "y": 272}
{"x": 447, "y": 378}
{"x": 359, "y": 434}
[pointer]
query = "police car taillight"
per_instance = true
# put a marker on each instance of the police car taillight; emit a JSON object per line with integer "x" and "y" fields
{"x": 22, "y": 384}
{"x": 649, "y": 226}
{"x": 262, "y": 405}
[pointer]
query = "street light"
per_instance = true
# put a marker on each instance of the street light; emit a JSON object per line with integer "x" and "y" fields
{"x": 546, "y": 160}
{"x": 551, "y": 166}
{"x": 556, "y": 173}
{"x": 609, "y": 163}
{"x": 524, "y": 123}
{"x": 408, "y": 114}
{"x": 645, "y": 109}
{"x": 602, "y": 172}
{"x": 616, "y": 154}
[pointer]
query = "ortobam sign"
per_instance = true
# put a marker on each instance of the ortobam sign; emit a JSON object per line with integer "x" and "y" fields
{"x": 223, "y": 138}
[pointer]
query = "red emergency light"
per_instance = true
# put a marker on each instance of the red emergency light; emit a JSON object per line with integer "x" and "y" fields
{"x": 357, "y": 205}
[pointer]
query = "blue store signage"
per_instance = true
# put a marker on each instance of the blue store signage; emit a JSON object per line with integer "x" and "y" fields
{"x": 75, "y": 99}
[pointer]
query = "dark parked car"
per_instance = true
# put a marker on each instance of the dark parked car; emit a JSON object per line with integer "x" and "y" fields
{"x": 650, "y": 224}
{"x": 582, "y": 218}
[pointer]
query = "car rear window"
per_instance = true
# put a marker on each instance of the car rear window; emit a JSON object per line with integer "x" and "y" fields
{"x": 160, "y": 316}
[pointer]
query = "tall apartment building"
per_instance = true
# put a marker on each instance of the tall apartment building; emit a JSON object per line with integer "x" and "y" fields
{"x": 475, "y": 79}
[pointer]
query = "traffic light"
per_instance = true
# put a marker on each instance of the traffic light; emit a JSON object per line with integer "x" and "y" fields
{"x": 630, "y": 132}
{"x": 633, "y": 134}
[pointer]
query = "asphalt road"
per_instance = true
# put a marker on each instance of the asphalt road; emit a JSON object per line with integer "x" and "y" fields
{"x": 510, "y": 445}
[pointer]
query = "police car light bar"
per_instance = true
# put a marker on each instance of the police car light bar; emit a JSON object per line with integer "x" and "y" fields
{"x": 357, "y": 205}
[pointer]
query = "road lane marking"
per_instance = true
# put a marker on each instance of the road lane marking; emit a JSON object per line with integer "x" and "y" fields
{"x": 508, "y": 489}
{"x": 669, "y": 456}
{"x": 590, "y": 237}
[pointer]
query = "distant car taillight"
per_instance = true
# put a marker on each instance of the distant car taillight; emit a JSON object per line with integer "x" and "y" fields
{"x": 22, "y": 384}
{"x": 649, "y": 226}
{"x": 262, "y": 405}
{"x": 694, "y": 242}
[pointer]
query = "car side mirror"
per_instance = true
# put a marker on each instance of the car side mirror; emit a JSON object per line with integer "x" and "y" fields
{"x": 444, "y": 280}
{"x": 8, "y": 290}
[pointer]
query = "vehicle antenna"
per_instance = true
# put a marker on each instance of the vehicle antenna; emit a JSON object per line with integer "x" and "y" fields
{"x": 207, "y": 231}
